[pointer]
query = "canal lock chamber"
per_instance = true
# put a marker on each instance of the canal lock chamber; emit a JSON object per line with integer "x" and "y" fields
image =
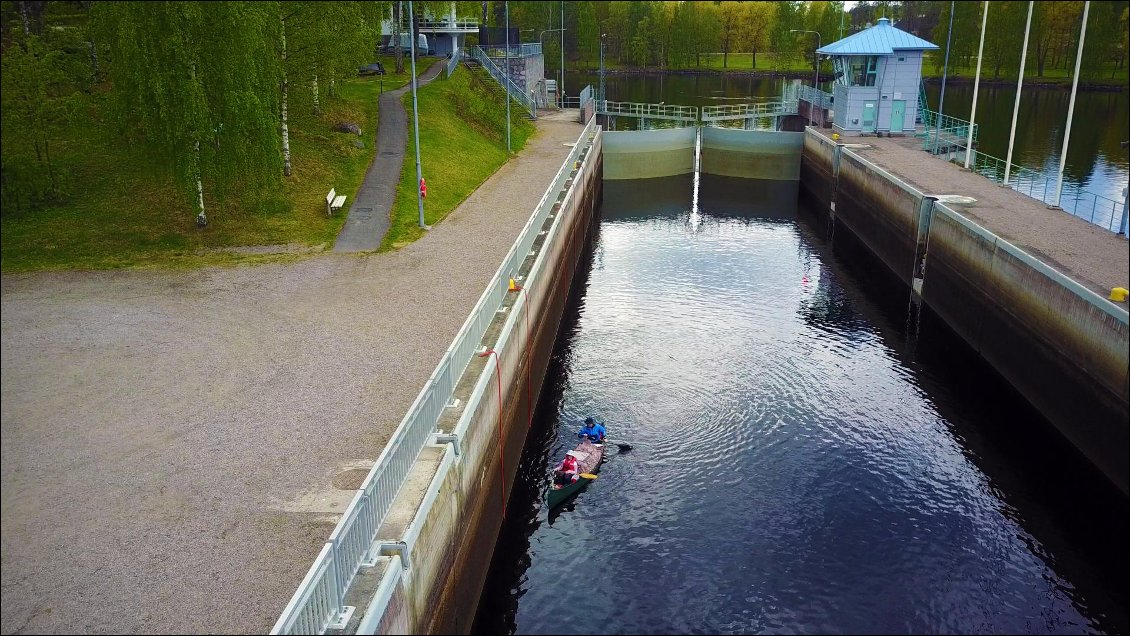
{"x": 659, "y": 176}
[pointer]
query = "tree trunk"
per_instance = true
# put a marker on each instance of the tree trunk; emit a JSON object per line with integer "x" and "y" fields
{"x": 753, "y": 59}
{"x": 94, "y": 70}
{"x": 483, "y": 22}
{"x": 24, "y": 17}
{"x": 317, "y": 101}
{"x": 200, "y": 218}
{"x": 285, "y": 89}
{"x": 50, "y": 168}
{"x": 398, "y": 52}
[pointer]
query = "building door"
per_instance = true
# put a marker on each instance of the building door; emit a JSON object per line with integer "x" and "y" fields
{"x": 869, "y": 117}
{"x": 898, "y": 115}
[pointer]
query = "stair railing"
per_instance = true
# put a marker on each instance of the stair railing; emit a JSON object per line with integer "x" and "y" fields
{"x": 476, "y": 53}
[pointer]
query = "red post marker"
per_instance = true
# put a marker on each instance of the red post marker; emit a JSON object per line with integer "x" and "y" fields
{"x": 423, "y": 189}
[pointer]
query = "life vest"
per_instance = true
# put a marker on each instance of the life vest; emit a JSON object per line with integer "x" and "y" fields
{"x": 569, "y": 463}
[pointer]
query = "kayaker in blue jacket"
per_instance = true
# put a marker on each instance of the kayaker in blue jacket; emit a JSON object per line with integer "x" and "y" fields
{"x": 592, "y": 430}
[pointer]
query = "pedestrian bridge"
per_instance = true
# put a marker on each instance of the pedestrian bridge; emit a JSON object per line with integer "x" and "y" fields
{"x": 751, "y": 115}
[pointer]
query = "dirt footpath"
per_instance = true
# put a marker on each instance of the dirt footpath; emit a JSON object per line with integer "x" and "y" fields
{"x": 177, "y": 446}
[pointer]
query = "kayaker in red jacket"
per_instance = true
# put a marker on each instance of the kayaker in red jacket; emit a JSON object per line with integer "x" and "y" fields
{"x": 568, "y": 470}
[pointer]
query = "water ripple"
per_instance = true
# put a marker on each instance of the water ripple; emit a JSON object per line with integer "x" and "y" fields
{"x": 791, "y": 472}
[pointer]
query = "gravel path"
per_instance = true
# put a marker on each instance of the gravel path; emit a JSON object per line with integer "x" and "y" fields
{"x": 175, "y": 444}
{"x": 368, "y": 219}
{"x": 1094, "y": 256}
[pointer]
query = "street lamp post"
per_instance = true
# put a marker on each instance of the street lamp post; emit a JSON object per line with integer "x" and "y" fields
{"x": 601, "y": 98}
{"x": 815, "y": 74}
{"x": 506, "y": 87}
{"x": 561, "y": 86}
{"x": 416, "y": 121}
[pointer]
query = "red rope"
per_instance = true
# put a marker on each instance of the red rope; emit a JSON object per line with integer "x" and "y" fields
{"x": 501, "y": 438}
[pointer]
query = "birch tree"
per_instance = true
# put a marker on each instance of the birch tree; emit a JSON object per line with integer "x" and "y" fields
{"x": 197, "y": 85}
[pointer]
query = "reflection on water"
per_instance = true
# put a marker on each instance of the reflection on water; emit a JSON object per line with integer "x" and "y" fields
{"x": 795, "y": 466}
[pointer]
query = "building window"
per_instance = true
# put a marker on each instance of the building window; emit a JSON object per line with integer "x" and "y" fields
{"x": 902, "y": 59}
{"x": 864, "y": 69}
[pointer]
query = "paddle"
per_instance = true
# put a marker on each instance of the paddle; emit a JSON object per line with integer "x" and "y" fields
{"x": 588, "y": 476}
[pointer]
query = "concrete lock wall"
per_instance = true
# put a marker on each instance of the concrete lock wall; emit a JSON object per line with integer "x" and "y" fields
{"x": 457, "y": 524}
{"x": 751, "y": 154}
{"x": 1063, "y": 347}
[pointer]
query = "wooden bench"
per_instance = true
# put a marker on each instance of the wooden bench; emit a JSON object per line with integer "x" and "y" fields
{"x": 334, "y": 202}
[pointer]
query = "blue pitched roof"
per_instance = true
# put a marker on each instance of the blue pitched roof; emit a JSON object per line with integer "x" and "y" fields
{"x": 881, "y": 39}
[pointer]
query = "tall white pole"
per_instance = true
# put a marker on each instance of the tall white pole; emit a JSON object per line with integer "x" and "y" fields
{"x": 1071, "y": 105}
{"x": 561, "y": 86}
{"x": 416, "y": 116}
{"x": 507, "y": 85}
{"x": 977, "y": 84}
{"x": 1016, "y": 103}
{"x": 945, "y": 72}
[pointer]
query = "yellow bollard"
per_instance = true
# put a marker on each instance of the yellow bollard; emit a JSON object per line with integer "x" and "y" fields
{"x": 1118, "y": 294}
{"x": 513, "y": 285}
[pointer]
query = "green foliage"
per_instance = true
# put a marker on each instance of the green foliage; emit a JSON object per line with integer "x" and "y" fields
{"x": 120, "y": 217}
{"x": 198, "y": 84}
{"x": 37, "y": 102}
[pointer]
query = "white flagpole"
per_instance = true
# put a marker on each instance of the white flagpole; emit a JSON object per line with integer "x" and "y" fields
{"x": 976, "y": 85}
{"x": 1016, "y": 104}
{"x": 1071, "y": 106}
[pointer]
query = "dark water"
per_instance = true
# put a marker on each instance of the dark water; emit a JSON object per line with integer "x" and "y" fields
{"x": 807, "y": 457}
{"x": 1095, "y": 159}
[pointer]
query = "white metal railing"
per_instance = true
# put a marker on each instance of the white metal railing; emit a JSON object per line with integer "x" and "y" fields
{"x": 516, "y": 50}
{"x": 319, "y": 602}
{"x": 1095, "y": 208}
{"x": 814, "y": 96}
{"x": 585, "y": 97}
{"x": 476, "y": 53}
{"x": 724, "y": 112}
{"x": 432, "y": 24}
{"x": 452, "y": 62}
{"x": 653, "y": 111}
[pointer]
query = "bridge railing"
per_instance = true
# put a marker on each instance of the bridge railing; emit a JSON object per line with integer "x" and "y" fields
{"x": 655, "y": 111}
{"x": 319, "y": 602}
{"x": 479, "y": 55}
{"x": 724, "y": 112}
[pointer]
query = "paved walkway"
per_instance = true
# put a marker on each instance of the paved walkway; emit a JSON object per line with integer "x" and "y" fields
{"x": 368, "y": 219}
{"x": 1093, "y": 256}
{"x": 176, "y": 446}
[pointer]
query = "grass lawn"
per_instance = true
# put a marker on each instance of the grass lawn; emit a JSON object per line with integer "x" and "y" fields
{"x": 462, "y": 143}
{"x": 121, "y": 212}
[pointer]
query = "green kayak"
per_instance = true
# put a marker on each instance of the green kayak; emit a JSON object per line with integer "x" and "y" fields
{"x": 588, "y": 456}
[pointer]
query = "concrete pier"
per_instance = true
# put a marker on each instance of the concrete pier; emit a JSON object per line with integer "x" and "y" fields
{"x": 1025, "y": 286}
